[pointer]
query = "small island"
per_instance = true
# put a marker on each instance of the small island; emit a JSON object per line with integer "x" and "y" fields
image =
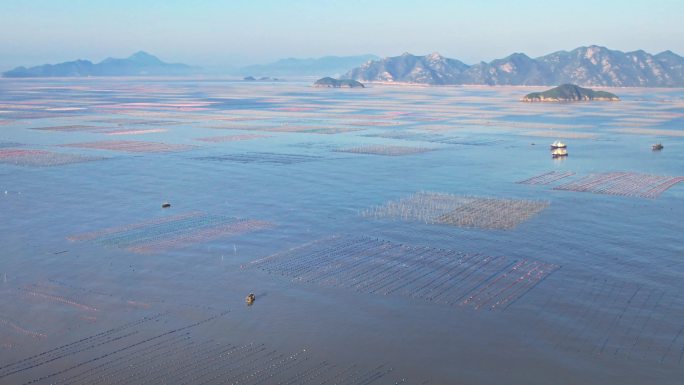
{"x": 329, "y": 82}
{"x": 261, "y": 79}
{"x": 569, "y": 93}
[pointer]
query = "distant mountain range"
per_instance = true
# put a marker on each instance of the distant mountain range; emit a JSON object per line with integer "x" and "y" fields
{"x": 586, "y": 66}
{"x": 324, "y": 66}
{"x": 138, "y": 64}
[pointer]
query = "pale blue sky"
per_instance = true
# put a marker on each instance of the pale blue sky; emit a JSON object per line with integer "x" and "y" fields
{"x": 214, "y": 32}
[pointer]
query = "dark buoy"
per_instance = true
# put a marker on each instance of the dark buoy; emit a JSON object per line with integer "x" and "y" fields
{"x": 250, "y": 299}
{"x": 166, "y": 205}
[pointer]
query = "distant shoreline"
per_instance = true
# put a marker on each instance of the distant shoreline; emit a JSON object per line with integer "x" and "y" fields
{"x": 484, "y": 86}
{"x": 303, "y": 80}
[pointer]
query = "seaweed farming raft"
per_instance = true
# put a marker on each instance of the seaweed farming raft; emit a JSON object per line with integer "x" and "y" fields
{"x": 132, "y": 146}
{"x": 40, "y": 158}
{"x": 386, "y": 150}
{"x": 231, "y": 138}
{"x": 619, "y": 319}
{"x": 547, "y": 178}
{"x": 171, "y": 232}
{"x": 420, "y": 136}
{"x": 623, "y": 183}
{"x": 461, "y": 211}
{"x": 262, "y": 158}
{"x": 373, "y": 266}
{"x": 628, "y": 184}
{"x": 136, "y": 353}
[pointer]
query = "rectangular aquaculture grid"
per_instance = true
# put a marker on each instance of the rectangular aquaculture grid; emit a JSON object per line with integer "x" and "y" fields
{"x": 619, "y": 318}
{"x": 72, "y": 128}
{"x": 461, "y": 211}
{"x": 231, "y": 138}
{"x": 134, "y": 353}
{"x": 372, "y": 124}
{"x": 329, "y": 130}
{"x": 547, "y": 178}
{"x": 40, "y": 158}
{"x": 302, "y": 129}
{"x": 380, "y": 267}
{"x": 172, "y": 232}
{"x": 134, "y": 132}
{"x": 432, "y": 138}
{"x": 311, "y": 129}
{"x": 385, "y": 150}
{"x": 40, "y": 293}
{"x": 612, "y": 183}
{"x": 131, "y": 146}
{"x": 262, "y": 157}
{"x": 77, "y": 304}
{"x": 9, "y": 144}
{"x": 623, "y": 183}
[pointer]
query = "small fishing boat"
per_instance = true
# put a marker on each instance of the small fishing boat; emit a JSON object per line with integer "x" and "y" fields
{"x": 250, "y": 298}
{"x": 166, "y": 205}
{"x": 558, "y": 144}
{"x": 559, "y": 153}
{"x": 657, "y": 147}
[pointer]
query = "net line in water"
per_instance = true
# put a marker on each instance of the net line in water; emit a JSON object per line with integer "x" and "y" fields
{"x": 621, "y": 319}
{"x": 134, "y": 132}
{"x": 70, "y": 349}
{"x": 131, "y": 146}
{"x": 262, "y": 157}
{"x": 72, "y": 128}
{"x": 623, "y": 184}
{"x": 113, "y": 230}
{"x": 457, "y": 210}
{"x": 629, "y": 184}
{"x": 135, "y": 122}
{"x": 373, "y": 266}
{"x": 172, "y": 232}
{"x": 20, "y": 330}
{"x": 432, "y": 138}
{"x": 42, "y": 294}
{"x": 134, "y": 353}
{"x": 301, "y": 129}
{"x": 231, "y": 138}
{"x": 547, "y": 178}
{"x": 41, "y": 158}
{"x": 385, "y": 150}
{"x": 10, "y": 144}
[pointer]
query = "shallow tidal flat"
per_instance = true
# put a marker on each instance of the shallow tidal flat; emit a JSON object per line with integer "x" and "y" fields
{"x": 391, "y": 235}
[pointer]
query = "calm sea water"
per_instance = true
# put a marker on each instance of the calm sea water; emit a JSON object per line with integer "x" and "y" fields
{"x": 612, "y": 313}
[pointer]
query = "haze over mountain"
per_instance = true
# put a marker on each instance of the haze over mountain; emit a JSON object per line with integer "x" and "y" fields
{"x": 324, "y": 66}
{"x": 586, "y": 66}
{"x": 138, "y": 64}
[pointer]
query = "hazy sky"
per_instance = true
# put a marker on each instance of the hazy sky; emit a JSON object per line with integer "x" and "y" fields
{"x": 239, "y": 32}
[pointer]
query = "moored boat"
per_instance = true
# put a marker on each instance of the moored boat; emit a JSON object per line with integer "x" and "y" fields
{"x": 657, "y": 147}
{"x": 559, "y": 153}
{"x": 558, "y": 144}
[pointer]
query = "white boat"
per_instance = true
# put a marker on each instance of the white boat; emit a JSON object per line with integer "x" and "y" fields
{"x": 558, "y": 144}
{"x": 559, "y": 152}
